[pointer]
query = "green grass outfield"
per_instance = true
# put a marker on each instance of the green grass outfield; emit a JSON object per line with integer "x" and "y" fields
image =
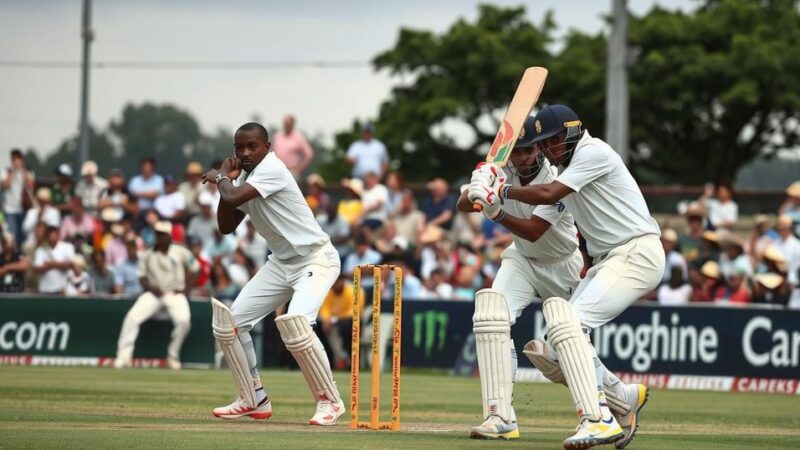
{"x": 46, "y": 407}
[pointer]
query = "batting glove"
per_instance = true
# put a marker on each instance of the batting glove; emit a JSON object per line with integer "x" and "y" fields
{"x": 486, "y": 196}
{"x": 488, "y": 173}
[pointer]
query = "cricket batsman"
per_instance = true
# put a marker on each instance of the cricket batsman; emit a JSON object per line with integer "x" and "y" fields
{"x": 628, "y": 261}
{"x": 302, "y": 268}
{"x": 542, "y": 262}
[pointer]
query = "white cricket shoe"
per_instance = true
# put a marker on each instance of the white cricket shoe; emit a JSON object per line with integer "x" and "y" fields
{"x": 638, "y": 394}
{"x": 591, "y": 433}
{"x": 494, "y": 427}
{"x": 173, "y": 363}
{"x": 240, "y": 409}
{"x": 327, "y": 413}
{"x": 121, "y": 363}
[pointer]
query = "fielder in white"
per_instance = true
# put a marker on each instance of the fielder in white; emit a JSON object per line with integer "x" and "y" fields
{"x": 598, "y": 190}
{"x": 302, "y": 268}
{"x": 542, "y": 262}
{"x": 162, "y": 272}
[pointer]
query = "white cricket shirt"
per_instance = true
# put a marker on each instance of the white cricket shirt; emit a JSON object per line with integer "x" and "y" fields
{"x": 281, "y": 215}
{"x": 560, "y": 240}
{"x": 607, "y": 204}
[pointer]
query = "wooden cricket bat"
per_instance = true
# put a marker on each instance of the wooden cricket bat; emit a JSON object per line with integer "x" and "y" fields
{"x": 518, "y": 110}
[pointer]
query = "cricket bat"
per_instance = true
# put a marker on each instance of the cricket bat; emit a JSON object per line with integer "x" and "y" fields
{"x": 518, "y": 110}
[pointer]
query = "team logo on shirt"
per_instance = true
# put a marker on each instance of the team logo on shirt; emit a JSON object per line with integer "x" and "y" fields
{"x": 560, "y": 206}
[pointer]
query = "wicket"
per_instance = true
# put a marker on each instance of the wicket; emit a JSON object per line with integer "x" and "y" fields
{"x": 374, "y": 416}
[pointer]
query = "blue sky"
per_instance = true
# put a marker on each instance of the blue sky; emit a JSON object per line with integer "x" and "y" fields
{"x": 41, "y": 106}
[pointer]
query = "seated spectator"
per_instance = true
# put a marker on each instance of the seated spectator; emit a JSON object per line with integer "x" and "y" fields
{"x": 723, "y": 212}
{"x": 64, "y": 189}
{"x": 53, "y": 262}
{"x": 408, "y": 221}
{"x": 101, "y": 274}
{"x": 412, "y": 285}
{"x": 78, "y": 223}
{"x": 126, "y": 272}
{"x": 350, "y": 207}
{"x": 116, "y": 195}
{"x": 735, "y": 289}
{"x": 336, "y": 320}
{"x": 79, "y": 282}
{"x": 146, "y": 186}
{"x": 439, "y": 206}
{"x": 337, "y": 228}
{"x": 253, "y": 245}
{"x": 363, "y": 254}
{"x": 709, "y": 281}
{"x": 318, "y": 199}
{"x": 220, "y": 246}
{"x": 222, "y": 287}
{"x": 190, "y": 188}
{"x": 689, "y": 240}
{"x": 710, "y": 244}
{"x": 203, "y": 226}
{"x": 204, "y": 274}
{"x": 733, "y": 259}
{"x": 436, "y": 286}
{"x": 760, "y": 238}
{"x": 771, "y": 288}
{"x": 170, "y": 204}
{"x": 373, "y": 201}
{"x": 492, "y": 234}
{"x": 115, "y": 244}
{"x": 43, "y": 212}
{"x": 674, "y": 259}
{"x": 165, "y": 272}
{"x": 787, "y": 244}
{"x": 676, "y": 291}
{"x": 36, "y": 240}
{"x": 90, "y": 187}
{"x": 147, "y": 232}
{"x": 434, "y": 252}
{"x": 396, "y": 187}
{"x": 791, "y": 206}
{"x": 464, "y": 286}
{"x": 13, "y": 265}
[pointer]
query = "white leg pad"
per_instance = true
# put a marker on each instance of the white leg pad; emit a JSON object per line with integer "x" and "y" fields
{"x": 224, "y": 326}
{"x": 536, "y": 351}
{"x": 492, "y": 327}
{"x": 574, "y": 354}
{"x": 304, "y": 345}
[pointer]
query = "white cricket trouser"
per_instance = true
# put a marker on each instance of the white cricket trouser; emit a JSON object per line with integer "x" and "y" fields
{"x": 146, "y": 306}
{"x": 521, "y": 280}
{"x": 618, "y": 279}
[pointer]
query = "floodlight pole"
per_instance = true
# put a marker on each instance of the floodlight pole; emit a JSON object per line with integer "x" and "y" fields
{"x": 87, "y": 35}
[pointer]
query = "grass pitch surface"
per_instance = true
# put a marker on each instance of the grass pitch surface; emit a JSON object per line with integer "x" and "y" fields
{"x": 50, "y": 407}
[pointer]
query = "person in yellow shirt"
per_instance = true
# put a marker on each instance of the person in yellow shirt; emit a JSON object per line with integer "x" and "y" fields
{"x": 336, "y": 319}
{"x": 350, "y": 207}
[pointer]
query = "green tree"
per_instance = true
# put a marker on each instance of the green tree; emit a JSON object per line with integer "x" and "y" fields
{"x": 459, "y": 80}
{"x": 101, "y": 151}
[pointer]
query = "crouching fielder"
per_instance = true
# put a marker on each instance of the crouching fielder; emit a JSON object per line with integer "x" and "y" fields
{"x": 623, "y": 240}
{"x": 302, "y": 268}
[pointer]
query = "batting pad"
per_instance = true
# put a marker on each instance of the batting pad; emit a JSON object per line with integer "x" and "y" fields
{"x": 224, "y": 327}
{"x": 492, "y": 327}
{"x": 567, "y": 338}
{"x": 304, "y": 344}
{"x": 536, "y": 351}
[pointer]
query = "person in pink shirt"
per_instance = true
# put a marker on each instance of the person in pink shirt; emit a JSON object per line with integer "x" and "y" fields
{"x": 78, "y": 223}
{"x": 291, "y": 147}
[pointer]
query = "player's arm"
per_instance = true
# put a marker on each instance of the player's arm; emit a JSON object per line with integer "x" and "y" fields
{"x": 228, "y": 217}
{"x": 538, "y": 194}
{"x": 529, "y": 229}
{"x": 463, "y": 204}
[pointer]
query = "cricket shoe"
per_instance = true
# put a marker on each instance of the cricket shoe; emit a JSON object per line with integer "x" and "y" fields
{"x": 638, "y": 394}
{"x": 240, "y": 409}
{"x": 173, "y": 363}
{"x": 591, "y": 433}
{"x": 495, "y": 427}
{"x": 327, "y": 413}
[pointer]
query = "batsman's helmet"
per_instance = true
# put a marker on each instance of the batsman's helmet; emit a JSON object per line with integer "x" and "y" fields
{"x": 527, "y": 133}
{"x": 553, "y": 119}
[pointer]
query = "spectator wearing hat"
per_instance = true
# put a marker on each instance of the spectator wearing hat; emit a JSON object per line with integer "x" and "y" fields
{"x": 669, "y": 239}
{"x": 787, "y": 243}
{"x": 203, "y": 226}
{"x": 170, "y": 205}
{"x": 13, "y": 265}
{"x": 723, "y": 212}
{"x": 79, "y": 282}
{"x": 689, "y": 240}
{"x": 291, "y": 147}
{"x": 351, "y": 206}
{"x": 116, "y": 194}
{"x": 771, "y": 288}
{"x": 43, "y": 211}
{"x": 79, "y": 224}
{"x": 439, "y": 206}
{"x": 761, "y": 236}
{"x": 676, "y": 291}
{"x": 791, "y": 206}
{"x": 90, "y": 187}
{"x": 733, "y": 259}
{"x": 53, "y": 261}
{"x": 368, "y": 154}
{"x": 165, "y": 273}
{"x": 64, "y": 189}
{"x": 318, "y": 200}
{"x": 146, "y": 186}
{"x": 126, "y": 272}
{"x": 707, "y": 284}
{"x": 16, "y": 185}
{"x": 734, "y": 289}
{"x": 190, "y": 188}
{"x": 113, "y": 240}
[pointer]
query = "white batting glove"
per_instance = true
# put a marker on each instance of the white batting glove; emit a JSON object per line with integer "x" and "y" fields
{"x": 487, "y": 198}
{"x": 488, "y": 173}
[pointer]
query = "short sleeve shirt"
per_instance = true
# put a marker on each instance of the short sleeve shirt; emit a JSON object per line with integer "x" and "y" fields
{"x": 368, "y": 157}
{"x": 607, "y": 204}
{"x": 167, "y": 271}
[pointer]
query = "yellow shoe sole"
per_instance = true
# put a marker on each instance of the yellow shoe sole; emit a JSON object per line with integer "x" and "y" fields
{"x": 510, "y": 435}
{"x": 644, "y": 395}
